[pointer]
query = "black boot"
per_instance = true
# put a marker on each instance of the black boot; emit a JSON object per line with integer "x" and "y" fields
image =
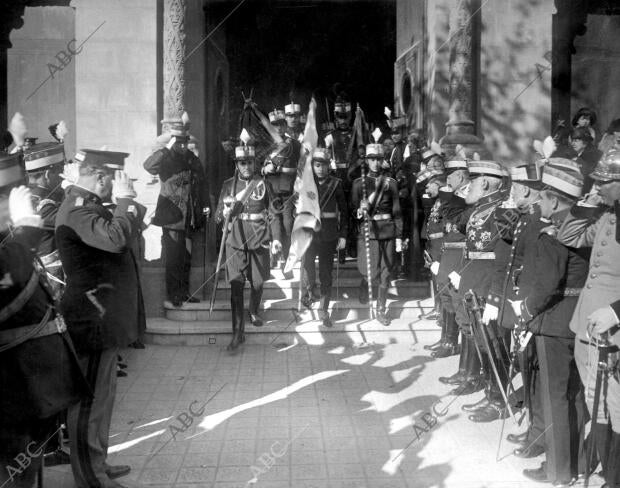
{"x": 363, "y": 292}
{"x": 236, "y": 305}
{"x": 381, "y": 308}
{"x": 612, "y": 473}
{"x": 461, "y": 375}
{"x": 602, "y": 442}
{"x": 442, "y": 339}
{"x": 255, "y": 297}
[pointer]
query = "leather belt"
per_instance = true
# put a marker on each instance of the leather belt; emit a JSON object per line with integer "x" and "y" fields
{"x": 10, "y": 338}
{"x": 610, "y": 347}
{"x": 436, "y": 235}
{"x": 289, "y": 171}
{"x": 342, "y": 165}
{"x": 329, "y": 215}
{"x": 382, "y": 217}
{"x": 474, "y": 255}
{"x": 454, "y": 245}
{"x": 252, "y": 216}
{"x": 572, "y": 292}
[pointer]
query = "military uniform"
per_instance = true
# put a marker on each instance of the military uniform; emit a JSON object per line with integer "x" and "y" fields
{"x": 39, "y": 373}
{"x": 250, "y": 232}
{"x": 386, "y": 225}
{"x": 101, "y": 306}
{"x": 184, "y": 194}
{"x": 334, "y": 217}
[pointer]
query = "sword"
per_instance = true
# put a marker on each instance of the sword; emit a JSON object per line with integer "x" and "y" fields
{"x": 366, "y": 227}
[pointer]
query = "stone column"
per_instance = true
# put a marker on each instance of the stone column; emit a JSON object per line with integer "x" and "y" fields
{"x": 174, "y": 58}
{"x": 464, "y": 43}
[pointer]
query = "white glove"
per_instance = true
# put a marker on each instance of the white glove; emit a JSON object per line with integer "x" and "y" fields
{"x": 601, "y": 320}
{"x": 171, "y": 142}
{"x": 516, "y": 306}
{"x": 342, "y": 243}
{"x": 364, "y": 205}
{"x": 122, "y": 186}
{"x": 455, "y": 279}
{"x": 434, "y": 268}
{"x": 399, "y": 245}
{"x": 206, "y": 211}
{"x": 21, "y": 208}
{"x": 490, "y": 313}
{"x": 269, "y": 169}
{"x": 70, "y": 174}
{"x": 276, "y": 247}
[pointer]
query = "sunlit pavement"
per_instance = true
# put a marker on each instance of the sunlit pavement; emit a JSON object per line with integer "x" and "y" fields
{"x": 303, "y": 417}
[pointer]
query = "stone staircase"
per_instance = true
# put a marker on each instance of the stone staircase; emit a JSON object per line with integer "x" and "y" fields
{"x": 192, "y": 324}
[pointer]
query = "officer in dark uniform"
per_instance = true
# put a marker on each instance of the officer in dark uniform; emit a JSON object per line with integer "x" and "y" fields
{"x": 244, "y": 202}
{"x": 39, "y": 373}
{"x": 484, "y": 196}
{"x": 280, "y": 169}
{"x": 382, "y": 207}
{"x": 292, "y": 114}
{"x": 182, "y": 206}
{"x": 548, "y": 287}
{"x": 44, "y": 163}
{"x": 331, "y": 236}
{"x": 100, "y": 302}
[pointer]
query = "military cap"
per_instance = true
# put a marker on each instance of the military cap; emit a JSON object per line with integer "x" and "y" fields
{"x": 321, "y": 154}
{"x": 374, "y": 151}
{"x": 277, "y": 117}
{"x": 177, "y": 127}
{"x": 428, "y": 174}
{"x": 608, "y": 168}
{"x": 244, "y": 152}
{"x": 485, "y": 168}
{"x": 110, "y": 160}
{"x": 455, "y": 164}
{"x": 524, "y": 173}
{"x": 563, "y": 179}
{"x": 292, "y": 109}
{"x": 44, "y": 155}
{"x": 11, "y": 170}
{"x": 342, "y": 107}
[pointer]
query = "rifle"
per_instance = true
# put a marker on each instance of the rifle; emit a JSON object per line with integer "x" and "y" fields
{"x": 366, "y": 228}
{"x": 473, "y": 306}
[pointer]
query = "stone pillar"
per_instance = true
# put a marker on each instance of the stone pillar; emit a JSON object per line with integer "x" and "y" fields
{"x": 464, "y": 75}
{"x": 174, "y": 58}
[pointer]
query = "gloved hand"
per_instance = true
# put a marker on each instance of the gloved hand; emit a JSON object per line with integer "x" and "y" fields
{"x": 490, "y": 313}
{"x": 364, "y": 205}
{"x": 70, "y": 174}
{"x": 206, "y": 211}
{"x": 516, "y": 306}
{"x": 434, "y": 268}
{"x": 399, "y": 244}
{"x": 455, "y": 279}
{"x": 21, "y": 208}
{"x": 276, "y": 246}
{"x": 601, "y": 320}
{"x": 269, "y": 169}
{"x": 342, "y": 243}
{"x": 122, "y": 186}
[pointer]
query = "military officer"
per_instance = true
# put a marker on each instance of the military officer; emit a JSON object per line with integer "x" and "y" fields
{"x": 44, "y": 163}
{"x": 382, "y": 209}
{"x": 101, "y": 300}
{"x": 331, "y": 236}
{"x": 182, "y": 206}
{"x": 244, "y": 203}
{"x": 592, "y": 223}
{"x": 39, "y": 373}
{"x": 280, "y": 169}
{"x": 484, "y": 196}
{"x": 292, "y": 114}
{"x": 551, "y": 279}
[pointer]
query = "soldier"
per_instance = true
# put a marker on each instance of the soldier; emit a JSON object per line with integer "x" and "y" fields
{"x": 382, "y": 209}
{"x": 551, "y": 279}
{"x": 280, "y": 169}
{"x": 331, "y": 236}
{"x": 592, "y": 223}
{"x": 449, "y": 258}
{"x": 244, "y": 204}
{"x": 100, "y": 302}
{"x": 342, "y": 140}
{"x": 484, "y": 196}
{"x": 292, "y": 113}
{"x": 39, "y": 373}
{"x": 44, "y": 163}
{"x": 181, "y": 208}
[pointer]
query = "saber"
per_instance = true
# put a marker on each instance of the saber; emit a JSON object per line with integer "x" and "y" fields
{"x": 220, "y": 256}
{"x": 366, "y": 227}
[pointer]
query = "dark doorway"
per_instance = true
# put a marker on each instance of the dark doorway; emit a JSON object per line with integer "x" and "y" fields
{"x": 279, "y": 49}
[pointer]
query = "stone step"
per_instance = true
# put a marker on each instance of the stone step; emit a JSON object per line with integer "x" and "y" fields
{"x": 286, "y": 333}
{"x": 281, "y": 309}
{"x": 278, "y": 289}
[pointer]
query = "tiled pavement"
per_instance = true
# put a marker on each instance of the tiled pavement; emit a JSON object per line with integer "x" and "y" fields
{"x": 303, "y": 417}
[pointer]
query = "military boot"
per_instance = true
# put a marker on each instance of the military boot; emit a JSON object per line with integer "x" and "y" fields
{"x": 381, "y": 308}
{"x": 437, "y": 345}
{"x": 363, "y": 292}
{"x": 461, "y": 375}
{"x": 236, "y": 305}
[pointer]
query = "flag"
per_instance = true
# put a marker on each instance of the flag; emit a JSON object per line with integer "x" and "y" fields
{"x": 308, "y": 218}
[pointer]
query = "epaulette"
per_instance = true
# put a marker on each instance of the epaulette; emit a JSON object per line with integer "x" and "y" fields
{"x": 79, "y": 201}
{"x": 44, "y": 202}
{"x": 551, "y": 230}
